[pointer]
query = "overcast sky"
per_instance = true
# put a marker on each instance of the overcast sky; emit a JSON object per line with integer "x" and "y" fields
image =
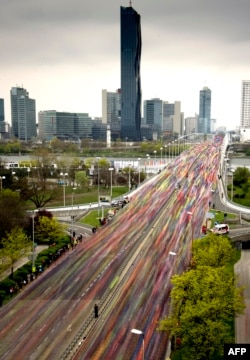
{"x": 64, "y": 52}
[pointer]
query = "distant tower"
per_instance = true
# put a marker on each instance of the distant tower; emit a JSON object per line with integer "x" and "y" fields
{"x": 23, "y": 114}
{"x": 204, "y": 120}
{"x": 130, "y": 74}
{"x": 245, "y": 104}
{"x": 108, "y": 136}
{"x": 111, "y": 107}
{"x": 1, "y": 109}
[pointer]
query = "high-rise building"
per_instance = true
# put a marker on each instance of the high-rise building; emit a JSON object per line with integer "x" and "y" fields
{"x": 153, "y": 115}
{"x": 245, "y": 104}
{"x": 4, "y": 126}
{"x": 64, "y": 125}
{"x": 130, "y": 74}
{"x": 1, "y": 109}
{"x": 204, "y": 120}
{"x": 163, "y": 118}
{"x": 191, "y": 125}
{"x": 172, "y": 118}
{"x": 111, "y": 107}
{"x": 153, "y": 112}
{"x": 23, "y": 114}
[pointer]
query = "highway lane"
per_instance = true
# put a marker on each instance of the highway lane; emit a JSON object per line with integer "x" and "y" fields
{"x": 43, "y": 320}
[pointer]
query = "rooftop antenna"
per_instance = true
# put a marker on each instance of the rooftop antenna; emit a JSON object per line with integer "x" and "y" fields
{"x": 130, "y": 3}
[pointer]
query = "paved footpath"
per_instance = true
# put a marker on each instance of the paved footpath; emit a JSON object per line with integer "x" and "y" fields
{"x": 22, "y": 261}
{"x": 242, "y": 322}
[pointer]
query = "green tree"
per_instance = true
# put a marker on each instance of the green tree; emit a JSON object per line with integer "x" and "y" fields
{"x": 203, "y": 301}
{"x": 40, "y": 193}
{"x": 75, "y": 166}
{"x": 48, "y": 230}
{"x": 102, "y": 165}
{"x": 82, "y": 179}
{"x": 16, "y": 244}
{"x": 241, "y": 175}
{"x": 12, "y": 211}
{"x": 213, "y": 250}
{"x": 45, "y": 162}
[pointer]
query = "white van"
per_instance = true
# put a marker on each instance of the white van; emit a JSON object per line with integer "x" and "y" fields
{"x": 220, "y": 229}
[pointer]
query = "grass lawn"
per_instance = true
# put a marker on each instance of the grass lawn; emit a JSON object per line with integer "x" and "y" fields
{"x": 241, "y": 194}
{"x": 85, "y": 196}
{"x": 92, "y": 218}
{"x": 219, "y": 216}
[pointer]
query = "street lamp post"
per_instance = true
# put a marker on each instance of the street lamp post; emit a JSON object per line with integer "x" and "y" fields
{"x": 64, "y": 174}
{"x": 139, "y": 332}
{"x": 192, "y": 230}
{"x": 98, "y": 185}
{"x": 1, "y": 182}
{"x": 33, "y": 244}
{"x": 232, "y": 185}
{"x": 72, "y": 216}
{"x": 147, "y": 163}
{"x": 161, "y": 154}
{"x": 139, "y": 170}
{"x": 129, "y": 177}
{"x": 172, "y": 150}
{"x": 155, "y": 158}
{"x": 111, "y": 169}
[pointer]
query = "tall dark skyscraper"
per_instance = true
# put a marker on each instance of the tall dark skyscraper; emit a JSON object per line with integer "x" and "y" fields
{"x": 204, "y": 120}
{"x": 1, "y": 109}
{"x": 130, "y": 74}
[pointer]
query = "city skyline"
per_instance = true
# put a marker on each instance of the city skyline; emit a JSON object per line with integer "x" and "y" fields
{"x": 66, "y": 53}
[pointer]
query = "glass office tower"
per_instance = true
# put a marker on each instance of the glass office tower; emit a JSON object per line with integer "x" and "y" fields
{"x": 130, "y": 74}
{"x": 204, "y": 120}
{"x": 23, "y": 114}
{"x": 1, "y": 109}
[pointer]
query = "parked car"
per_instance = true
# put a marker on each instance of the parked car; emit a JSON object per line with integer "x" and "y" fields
{"x": 220, "y": 229}
{"x": 116, "y": 203}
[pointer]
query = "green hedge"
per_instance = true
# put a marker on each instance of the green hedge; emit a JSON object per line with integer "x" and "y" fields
{"x": 42, "y": 262}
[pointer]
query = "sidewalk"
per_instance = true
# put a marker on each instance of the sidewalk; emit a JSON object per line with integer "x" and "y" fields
{"x": 22, "y": 261}
{"x": 242, "y": 322}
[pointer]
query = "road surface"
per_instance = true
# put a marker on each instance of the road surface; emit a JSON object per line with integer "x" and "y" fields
{"x": 125, "y": 268}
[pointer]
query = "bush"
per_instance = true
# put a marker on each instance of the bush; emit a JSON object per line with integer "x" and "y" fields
{"x": 6, "y": 284}
{"x": 27, "y": 267}
{"x": 43, "y": 259}
{"x": 18, "y": 280}
{"x": 22, "y": 272}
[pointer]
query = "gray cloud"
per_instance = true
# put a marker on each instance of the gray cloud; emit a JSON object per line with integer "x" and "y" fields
{"x": 49, "y": 30}
{"x": 203, "y": 38}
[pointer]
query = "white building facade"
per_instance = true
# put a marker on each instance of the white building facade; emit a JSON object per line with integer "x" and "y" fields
{"x": 245, "y": 104}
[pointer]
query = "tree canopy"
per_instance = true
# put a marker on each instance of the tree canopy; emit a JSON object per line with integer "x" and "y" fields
{"x": 204, "y": 300}
{"x": 82, "y": 179}
{"x": 212, "y": 251}
{"x": 12, "y": 211}
{"x": 15, "y": 245}
{"x": 241, "y": 175}
{"x": 48, "y": 229}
